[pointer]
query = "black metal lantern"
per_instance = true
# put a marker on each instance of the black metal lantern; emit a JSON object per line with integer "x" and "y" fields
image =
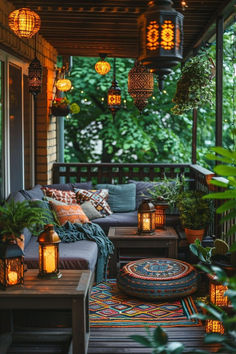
{"x": 146, "y": 217}
{"x": 35, "y": 77}
{"x": 160, "y": 37}
{"x": 11, "y": 265}
{"x": 49, "y": 253}
{"x": 114, "y": 94}
{"x": 140, "y": 84}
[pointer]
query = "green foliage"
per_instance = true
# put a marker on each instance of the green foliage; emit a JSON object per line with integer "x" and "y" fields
{"x": 15, "y": 216}
{"x": 194, "y": 88}
{"x": 228, "y": 171}
{"x": 194, "y": 211}
{"x": 168, "y": 190}
{"x": 93, "y": 135}
{"x": 207, "y": 254}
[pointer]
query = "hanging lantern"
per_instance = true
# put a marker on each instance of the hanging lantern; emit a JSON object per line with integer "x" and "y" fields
{"x": 63, "y": 85}
{"x": 214, "y": 326}
{"x": 102, "y": 67}
{"x": 140, "y": 84}
{"x": 217, "y": 292}
{"x": 24, "y": 22}
{"x": 146, "y": 217}
{"x": 160, "y": 38}
{"x": 11, "y": 265}
{"x": 49, "y": 253}
{"x": 35, "y": 77}
{"x": 114, "y": 94}
{"x": 160, "y": 215}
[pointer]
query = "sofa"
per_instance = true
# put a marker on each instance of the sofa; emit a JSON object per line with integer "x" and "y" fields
{"x": 83, "y": 254}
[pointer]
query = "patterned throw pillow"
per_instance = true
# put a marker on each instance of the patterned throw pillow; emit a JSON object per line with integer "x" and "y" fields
{"x": 67, "y": 197}
{"x": 72, "y": 213}
{"x": 97, "y": 197}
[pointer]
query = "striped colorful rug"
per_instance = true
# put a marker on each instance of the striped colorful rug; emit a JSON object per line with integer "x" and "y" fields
{"x": 109, "y": 307}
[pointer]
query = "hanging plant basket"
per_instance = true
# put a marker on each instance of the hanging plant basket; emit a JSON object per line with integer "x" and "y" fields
{"x": 195, "y": 86}
{"x": 60, "y": 111}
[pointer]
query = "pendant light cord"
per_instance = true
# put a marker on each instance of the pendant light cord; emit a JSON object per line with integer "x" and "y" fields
{"x": 114, "y": 70}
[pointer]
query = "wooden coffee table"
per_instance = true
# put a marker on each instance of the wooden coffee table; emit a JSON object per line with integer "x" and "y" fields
{"x": 71, "y": 291}
{"x": 128, "y": 243}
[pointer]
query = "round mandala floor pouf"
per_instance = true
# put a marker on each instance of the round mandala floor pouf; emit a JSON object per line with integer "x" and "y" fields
{"x": 157, "y": 278}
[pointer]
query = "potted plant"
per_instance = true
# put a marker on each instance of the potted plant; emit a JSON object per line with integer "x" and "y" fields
{"x": 61, "y": 107}
{"x": 15, "y": 216}
{"x": 195, "y": 87}
{"x": 167, "y": 192}
{"x": 194, "y": 214}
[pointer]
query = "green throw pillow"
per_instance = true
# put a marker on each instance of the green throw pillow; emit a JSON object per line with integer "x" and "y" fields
{"x": 122, "y": 197}
{"x": 90, "y": 211}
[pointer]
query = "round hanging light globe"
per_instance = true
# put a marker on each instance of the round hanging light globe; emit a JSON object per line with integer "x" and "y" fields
{"x": 24, "y": 22}
{"x": 102, "y": 67}
{"x": 63, "y": 85}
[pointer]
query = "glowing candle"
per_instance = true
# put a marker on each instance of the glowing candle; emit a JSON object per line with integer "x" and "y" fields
{"x": 146, "y": 222}
{"x": 12, "y": 278}
{"x": 49, "y": 257}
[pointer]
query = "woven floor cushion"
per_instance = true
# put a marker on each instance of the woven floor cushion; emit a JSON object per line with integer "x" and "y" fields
{"x": 157, "y": 278}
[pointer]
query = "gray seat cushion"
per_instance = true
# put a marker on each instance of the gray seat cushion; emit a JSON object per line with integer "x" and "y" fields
{"x": 118, "y": 219}
{"x": 75, "y": 255}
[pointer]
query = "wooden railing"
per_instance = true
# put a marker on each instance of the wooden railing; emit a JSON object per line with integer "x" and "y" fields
{"x": 118, "y": 173}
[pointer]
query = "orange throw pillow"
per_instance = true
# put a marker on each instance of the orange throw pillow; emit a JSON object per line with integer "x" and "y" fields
{"x": 72, "y": 213}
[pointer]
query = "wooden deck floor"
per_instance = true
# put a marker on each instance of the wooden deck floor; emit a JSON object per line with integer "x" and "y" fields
{"x": 102, "y": 340}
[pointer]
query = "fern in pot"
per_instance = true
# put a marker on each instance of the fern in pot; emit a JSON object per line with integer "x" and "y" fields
{"x": 194, "y": 214}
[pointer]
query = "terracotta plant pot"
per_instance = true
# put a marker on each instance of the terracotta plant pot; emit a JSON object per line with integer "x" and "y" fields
{"x": 192, "y": 235}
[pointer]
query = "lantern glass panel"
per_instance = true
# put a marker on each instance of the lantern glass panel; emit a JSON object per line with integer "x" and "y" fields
{"x": 48, "y": 259}
{"x": 11, "y": 271}
{"x": 214, "y": 326}
{"x": 217, "y": 294}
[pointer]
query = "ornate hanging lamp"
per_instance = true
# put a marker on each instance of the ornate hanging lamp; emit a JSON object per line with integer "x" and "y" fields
{"x": 102, "y": 67}
{"x": 114, "y": 94}
{"x": 35, "y": 75}
{"x": 160, "y": 38}
{"x": 63, "y": 85}
{"x": 24, "y": 22}
{"x": 140, "y": 84}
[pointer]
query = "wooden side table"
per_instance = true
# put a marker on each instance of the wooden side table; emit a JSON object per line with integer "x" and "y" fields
{"x": 127, "y": 242}
{"x": 71, "y": 291}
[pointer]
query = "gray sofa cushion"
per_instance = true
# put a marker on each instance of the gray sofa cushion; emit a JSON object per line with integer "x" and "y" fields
{"x": 34, "y": 193}
{"x": 70, "y": 186}
{"x": 118, "y": 219}
{"x": 75, "y": 255}
{"x": 142, "y": 188}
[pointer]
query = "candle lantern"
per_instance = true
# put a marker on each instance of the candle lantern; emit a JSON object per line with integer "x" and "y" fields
{"x": 214, "y": 326}
{"x": 146, "y": 217}
{"x": 49, "y": 253}
{"x": 11, "y": 265}
{"x": 160, "y": 215}
{"x": 217, "y": 292}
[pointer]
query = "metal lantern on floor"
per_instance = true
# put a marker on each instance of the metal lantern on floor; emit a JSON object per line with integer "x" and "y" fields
{"x": 102, "y": 67}
{"x": 160, "y": 215}
{"x": 35, "y": 77}
{"x": 114, "y": 94}
{"x": 24, "y": 22}
{"x": 214, "y": 326}
{"x": 146, "y": 217}
{"x": 217, "y": 292}
{"x": 11, "y": 265}
{"x": 49, "y": 253}
{"x": 160, "y": 37}
{"x": 140, "y": 84}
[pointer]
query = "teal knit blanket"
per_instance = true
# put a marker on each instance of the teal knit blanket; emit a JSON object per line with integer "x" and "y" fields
{"x": 93, "y": 232}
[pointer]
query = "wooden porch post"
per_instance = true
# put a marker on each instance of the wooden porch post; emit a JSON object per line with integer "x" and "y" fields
{"x": 194, "y": 137}
{"x": 219, "y": 79}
